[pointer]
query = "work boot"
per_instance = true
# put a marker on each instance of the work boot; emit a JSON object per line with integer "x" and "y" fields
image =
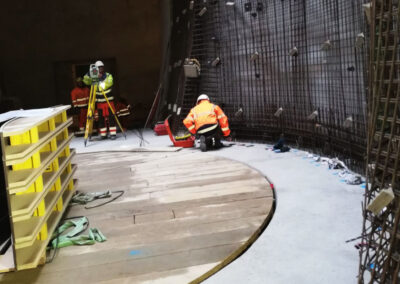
{"x": 218, "y": 144}
{"x": 203, "y": 145}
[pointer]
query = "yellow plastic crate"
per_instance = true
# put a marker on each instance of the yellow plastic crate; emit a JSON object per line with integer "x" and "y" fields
{"x": 39, "y": 180}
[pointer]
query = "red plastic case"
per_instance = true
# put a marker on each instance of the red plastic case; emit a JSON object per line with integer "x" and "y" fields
{"x": 188, "y": 143}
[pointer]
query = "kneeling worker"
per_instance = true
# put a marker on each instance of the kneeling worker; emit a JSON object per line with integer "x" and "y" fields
{"x": 204, "y": 120}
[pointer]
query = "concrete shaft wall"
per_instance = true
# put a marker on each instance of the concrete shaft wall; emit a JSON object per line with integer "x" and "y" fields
{"x": 39, "y": 37}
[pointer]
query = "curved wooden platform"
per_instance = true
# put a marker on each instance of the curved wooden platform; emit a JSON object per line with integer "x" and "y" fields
{"x": 183, "y": 216}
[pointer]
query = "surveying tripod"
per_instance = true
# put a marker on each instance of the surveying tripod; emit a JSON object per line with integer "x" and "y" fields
{"x": 92, "y": 104}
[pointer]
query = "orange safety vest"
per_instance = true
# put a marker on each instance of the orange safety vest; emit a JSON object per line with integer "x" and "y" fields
{"x": 206, "y": 113}
{"x": 80, "y": 97}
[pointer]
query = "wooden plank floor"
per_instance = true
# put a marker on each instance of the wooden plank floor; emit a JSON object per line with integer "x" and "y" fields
{"x": 181, "y": 215}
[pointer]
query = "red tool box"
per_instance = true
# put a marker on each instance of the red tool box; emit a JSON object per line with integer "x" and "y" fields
{"x": 187, "y": 143}
{"x": 160, "y": 128}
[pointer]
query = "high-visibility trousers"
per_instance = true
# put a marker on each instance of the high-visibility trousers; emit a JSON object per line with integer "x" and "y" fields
{"x": 106, "y": 115}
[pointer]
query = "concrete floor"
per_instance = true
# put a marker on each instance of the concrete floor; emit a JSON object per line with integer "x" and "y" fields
{"x": 316, "y": 213}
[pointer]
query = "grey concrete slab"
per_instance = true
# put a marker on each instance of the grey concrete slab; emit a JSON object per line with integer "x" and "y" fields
{"x": 316, "y": 213}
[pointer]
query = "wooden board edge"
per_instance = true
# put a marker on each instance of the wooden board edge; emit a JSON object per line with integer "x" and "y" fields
{"x": 243, "y": 248}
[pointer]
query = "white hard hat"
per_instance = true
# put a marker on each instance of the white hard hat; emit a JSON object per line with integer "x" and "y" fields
{"x": 99, "y": 64}
{"x": 203, "y": 97}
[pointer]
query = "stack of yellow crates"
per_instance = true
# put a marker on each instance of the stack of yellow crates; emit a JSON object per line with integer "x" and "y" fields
{"x": 39, "y": 180}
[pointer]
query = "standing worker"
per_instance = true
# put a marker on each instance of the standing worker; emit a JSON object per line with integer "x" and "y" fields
{"x": 104, "y": 113}
{"x": 80, "y": 99}
{"x": 204, "y": 120}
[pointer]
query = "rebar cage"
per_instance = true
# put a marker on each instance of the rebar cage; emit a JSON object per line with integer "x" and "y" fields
{"x": 380, "y": 250}
{"x": 326, "y": 73}
{"x": 292, "y": 67}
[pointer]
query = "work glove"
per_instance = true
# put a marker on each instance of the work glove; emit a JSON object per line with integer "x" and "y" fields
{"x": 102, "y": 85}
{"x": 228, "y": 138}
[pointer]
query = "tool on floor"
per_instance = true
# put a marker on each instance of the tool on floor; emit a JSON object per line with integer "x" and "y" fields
{"x": 83, "y": 198}
{"x": 68, "y": 234}
{"x": 183, "y": 137}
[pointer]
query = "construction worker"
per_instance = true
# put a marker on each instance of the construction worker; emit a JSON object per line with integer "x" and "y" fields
{"x": 104, "y": 113}
{"x": 206, "y": 119}
{"x": 80, "y": 98}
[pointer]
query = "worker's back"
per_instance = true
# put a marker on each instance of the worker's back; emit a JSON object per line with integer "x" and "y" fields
{"x": 204, "y": 113}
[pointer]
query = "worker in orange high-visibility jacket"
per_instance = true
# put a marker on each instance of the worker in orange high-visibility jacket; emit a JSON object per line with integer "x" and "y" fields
{"x": 80, "y": 98}
{"x": 208, "y": 121}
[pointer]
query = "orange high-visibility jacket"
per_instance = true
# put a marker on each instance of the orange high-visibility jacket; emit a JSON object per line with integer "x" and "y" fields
{"x": 206, "y": 113}
{"x": 80, "y": 97}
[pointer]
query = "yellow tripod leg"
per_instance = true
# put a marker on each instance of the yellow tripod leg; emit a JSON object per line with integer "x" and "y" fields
{"x": 93, "y": 107}
{"x": 112, "y": 110}
{"x": 90, "y": 113}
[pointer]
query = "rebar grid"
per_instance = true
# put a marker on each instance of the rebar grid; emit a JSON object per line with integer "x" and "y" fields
{"x": 380, "y": 254}
{"x": 259, "y": 71}
{"x": 299, "y": 68}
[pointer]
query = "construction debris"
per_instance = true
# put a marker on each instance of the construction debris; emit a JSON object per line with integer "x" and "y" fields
{"x": 83, "y": 198}
{"x": 280, "y": 146}
{"x": 70, "y": 233}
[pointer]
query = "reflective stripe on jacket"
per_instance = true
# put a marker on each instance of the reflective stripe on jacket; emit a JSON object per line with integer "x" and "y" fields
{"x": 122, "y": 109}
{"x": 206, "y": 113}
{"x": 108, "y": 83}
{"x": 80, "y": 97}
{"x": 107, "y": 79}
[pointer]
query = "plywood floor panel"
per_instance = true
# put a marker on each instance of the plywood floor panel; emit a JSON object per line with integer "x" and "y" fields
{"x": 182, "y": 214}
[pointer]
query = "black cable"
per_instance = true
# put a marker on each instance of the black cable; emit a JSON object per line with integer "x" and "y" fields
{"x": 121, "y": 192}
{"x": 55, "y": 249}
